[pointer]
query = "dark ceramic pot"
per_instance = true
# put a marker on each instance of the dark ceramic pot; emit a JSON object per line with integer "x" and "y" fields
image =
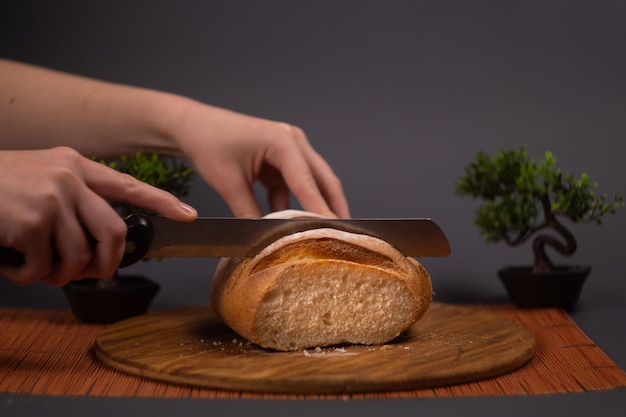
{"x": 92, "y": 302}
{"x": 560, "y": 288}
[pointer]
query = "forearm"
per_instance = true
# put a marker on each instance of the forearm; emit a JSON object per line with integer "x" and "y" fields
{"x": 40, "y": 108}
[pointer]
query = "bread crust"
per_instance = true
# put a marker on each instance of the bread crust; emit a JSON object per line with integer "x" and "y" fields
{"x": 333, "y": 267}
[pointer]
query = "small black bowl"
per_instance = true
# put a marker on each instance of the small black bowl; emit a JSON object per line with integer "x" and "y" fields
{"x": 560, "y": 288}
{"x": 92, "y": 302}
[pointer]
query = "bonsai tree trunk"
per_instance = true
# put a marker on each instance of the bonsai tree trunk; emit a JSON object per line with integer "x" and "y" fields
{"x": 541, "y": 261}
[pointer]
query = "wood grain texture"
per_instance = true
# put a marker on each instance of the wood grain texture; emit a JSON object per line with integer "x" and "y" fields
{"x": 450, "y": 345}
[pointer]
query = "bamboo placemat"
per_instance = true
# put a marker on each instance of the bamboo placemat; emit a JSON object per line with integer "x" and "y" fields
{"x": 49, "y": 352}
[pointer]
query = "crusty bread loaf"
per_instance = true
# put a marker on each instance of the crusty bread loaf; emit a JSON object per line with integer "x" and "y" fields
{"x": 321, "y": 287}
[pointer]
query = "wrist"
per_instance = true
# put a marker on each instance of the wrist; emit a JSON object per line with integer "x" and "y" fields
{"x": 158, "y": 117}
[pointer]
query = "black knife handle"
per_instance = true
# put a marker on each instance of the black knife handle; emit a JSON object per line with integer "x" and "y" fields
{"x": 138, "y": 239}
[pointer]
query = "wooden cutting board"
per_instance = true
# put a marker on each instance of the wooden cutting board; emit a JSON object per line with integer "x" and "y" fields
{"x": 450, "y": 345}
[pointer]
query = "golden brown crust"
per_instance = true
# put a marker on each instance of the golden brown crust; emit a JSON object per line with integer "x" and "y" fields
{"x": 245, "y": 290}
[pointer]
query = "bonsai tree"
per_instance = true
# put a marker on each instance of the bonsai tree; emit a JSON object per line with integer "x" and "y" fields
{"x": 166, "y": 173}
{"x": 524, "y": 198}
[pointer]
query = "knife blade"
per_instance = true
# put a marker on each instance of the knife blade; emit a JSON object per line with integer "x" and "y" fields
{"x": 158, "y": 237}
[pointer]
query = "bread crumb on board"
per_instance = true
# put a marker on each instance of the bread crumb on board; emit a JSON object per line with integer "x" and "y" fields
{"x": 326, "y": 352}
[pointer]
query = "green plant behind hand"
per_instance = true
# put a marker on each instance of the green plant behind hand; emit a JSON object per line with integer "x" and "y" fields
{"x": 522, "y": 197}
{"x": 167, "y": 173}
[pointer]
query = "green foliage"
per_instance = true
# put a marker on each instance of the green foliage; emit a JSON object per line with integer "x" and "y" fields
{"x": 521, "y": 196}
{"x": 166, "y": 173}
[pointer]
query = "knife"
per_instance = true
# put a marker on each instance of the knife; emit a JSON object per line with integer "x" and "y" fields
{"x": 159, "y": 237}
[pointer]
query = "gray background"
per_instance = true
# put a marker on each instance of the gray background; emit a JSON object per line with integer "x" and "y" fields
{"x": 397, "y": 95}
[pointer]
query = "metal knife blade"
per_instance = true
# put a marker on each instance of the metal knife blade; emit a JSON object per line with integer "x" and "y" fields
{"x": 158, "y": 237}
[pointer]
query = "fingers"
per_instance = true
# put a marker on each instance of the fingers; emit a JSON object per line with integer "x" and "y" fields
{"x": 71, "y": 252}
{"x": 236, "y": 190}
{"x": 74, "y": 255}
{"x": 285, "y": 163}
{"x": 308, "y": 176}
{"x": 38, "y": 258}
{"x": 329, "y": 185}
{"x": 278, "y": 198}
{"x": 304, "y": 187}
{"x": 278, "y": 193}
{"x": 108, "y": 234}
{"x": 58, "y": 250}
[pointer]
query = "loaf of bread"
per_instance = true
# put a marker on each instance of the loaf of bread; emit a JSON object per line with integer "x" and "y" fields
{"x": 319, "y": 288}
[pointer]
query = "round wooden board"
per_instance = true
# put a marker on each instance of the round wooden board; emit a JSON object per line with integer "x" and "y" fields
{"x": 449, "y": 345}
